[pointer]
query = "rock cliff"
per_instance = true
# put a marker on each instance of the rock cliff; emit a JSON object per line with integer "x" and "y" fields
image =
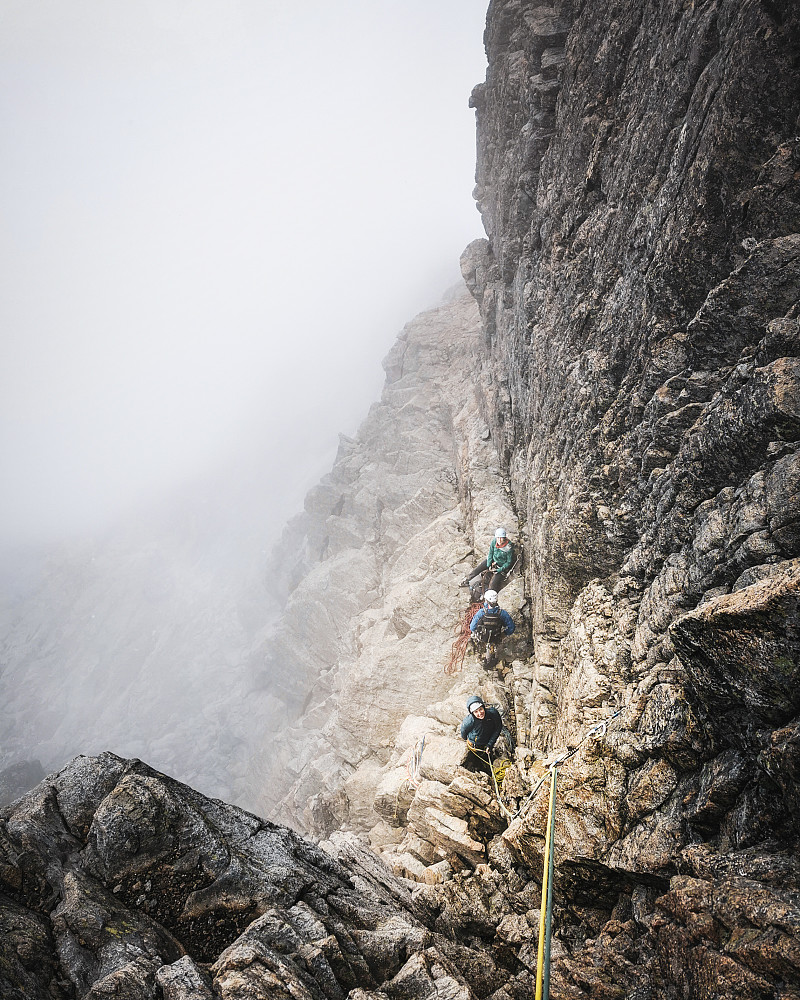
{"x": 630, "y": 409}
{"x": 622, "y": 392}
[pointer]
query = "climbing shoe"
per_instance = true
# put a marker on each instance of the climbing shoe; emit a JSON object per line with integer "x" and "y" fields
{"x": 464, "y": 583}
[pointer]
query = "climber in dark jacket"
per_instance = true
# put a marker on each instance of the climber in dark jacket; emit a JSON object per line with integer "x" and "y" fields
{"x": 500, "y": 561}
{"x": 482, "y": 726}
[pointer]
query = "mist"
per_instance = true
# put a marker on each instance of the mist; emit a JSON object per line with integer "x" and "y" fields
{"x": 215, "y": 215}
{"x": 216, "y": 218}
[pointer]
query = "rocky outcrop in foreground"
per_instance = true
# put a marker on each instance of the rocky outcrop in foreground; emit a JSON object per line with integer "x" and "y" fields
{"x": 117, "y": 881}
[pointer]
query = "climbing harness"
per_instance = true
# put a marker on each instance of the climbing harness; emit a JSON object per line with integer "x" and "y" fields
{"x": 463, "y": 635}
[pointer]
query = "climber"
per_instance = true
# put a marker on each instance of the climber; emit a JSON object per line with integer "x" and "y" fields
{"x": 500, "y": 561}
{"x": 482, "y": 727}
{"x": 491, "y": 620}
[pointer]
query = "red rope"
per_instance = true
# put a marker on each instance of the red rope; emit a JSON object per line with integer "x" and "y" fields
{"x": 459, "y": 648}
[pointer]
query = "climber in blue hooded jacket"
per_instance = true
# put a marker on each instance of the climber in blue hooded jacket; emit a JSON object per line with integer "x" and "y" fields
{"x": 482, "y": 726}
{"x": 491, "y": 617}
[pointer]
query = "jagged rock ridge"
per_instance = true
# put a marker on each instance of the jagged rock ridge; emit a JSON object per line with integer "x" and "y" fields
{"x": 119, "y": 881}
{"x": 629, "y": 406}
{"x": 637, "y": 373}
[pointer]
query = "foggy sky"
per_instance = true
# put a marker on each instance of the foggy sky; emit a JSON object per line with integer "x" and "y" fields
{"x": 216, "y": 217}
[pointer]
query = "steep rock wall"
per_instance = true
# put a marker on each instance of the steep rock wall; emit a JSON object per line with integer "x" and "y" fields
{"x": 374, "y": 564}
{"x": 630, "y": 405}
{"x": 638, "y": 174}
{"x": 637, "y": 373}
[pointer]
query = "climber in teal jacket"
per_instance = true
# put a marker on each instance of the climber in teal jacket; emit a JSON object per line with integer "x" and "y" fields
{"x": 482, "y": 727}
{"x": 500, "y": 561}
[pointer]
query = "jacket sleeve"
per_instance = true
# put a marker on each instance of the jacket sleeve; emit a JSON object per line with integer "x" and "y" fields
{"x": 477, "y": 619}
{"x": 490, "y": 557}
{"x": 466, "y": 727}
{"x": 508, "y": 621}
{"x": 497, "y": 725}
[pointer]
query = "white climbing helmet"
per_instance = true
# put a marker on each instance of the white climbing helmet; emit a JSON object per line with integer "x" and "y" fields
{"x": 490, "y": 597}
{"x": 501, "y": 533}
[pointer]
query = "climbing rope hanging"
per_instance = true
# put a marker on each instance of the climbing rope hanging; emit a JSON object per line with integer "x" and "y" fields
{"x": 548, "y": 861}
{"x": 414, "y": 765}
{"x": 459, "y": 648}
{"x": 546, "y": 911}
{"x": 599, "y": 729}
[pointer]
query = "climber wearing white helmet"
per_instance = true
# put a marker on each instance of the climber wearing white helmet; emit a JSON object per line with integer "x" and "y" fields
{"x": 492, "y": 619}
{"x": 500, "y": 561}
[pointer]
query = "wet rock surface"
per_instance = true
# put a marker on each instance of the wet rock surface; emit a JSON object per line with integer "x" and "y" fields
{"x": 635, "y": 383}
{"x": 116, "y": 880}
{"x": 624, "y": 396}
{"x": 639, "y": 181}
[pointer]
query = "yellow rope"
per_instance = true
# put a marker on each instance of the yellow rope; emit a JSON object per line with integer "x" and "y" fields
{"x": 548, "y": 847}
{"x": 502, "y": 767}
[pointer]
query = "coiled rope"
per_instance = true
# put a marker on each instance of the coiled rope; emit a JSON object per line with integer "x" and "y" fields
{"x": 459, "y": 648}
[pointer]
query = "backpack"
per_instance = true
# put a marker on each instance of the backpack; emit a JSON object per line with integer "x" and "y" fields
{"x": 492, "y": 622}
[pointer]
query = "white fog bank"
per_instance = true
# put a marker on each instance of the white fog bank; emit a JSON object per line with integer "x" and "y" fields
{"x": 214, "y": 214}
{"x": 216, "y": 219}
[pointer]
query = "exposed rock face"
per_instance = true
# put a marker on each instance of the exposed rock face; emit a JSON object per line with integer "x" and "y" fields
{"x": 119, "y": 881}
{"x": 639, "y": 375}
{"x": 386, "y": 538}
{"x": 628, "y": 406}
{"x": 638, "y": 179}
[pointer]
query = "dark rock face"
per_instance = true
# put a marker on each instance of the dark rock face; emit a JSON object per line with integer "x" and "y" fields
{"x": 116, "y": 880}
{"x": 631, "y": 407}
{"x": 639, "y": 181}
